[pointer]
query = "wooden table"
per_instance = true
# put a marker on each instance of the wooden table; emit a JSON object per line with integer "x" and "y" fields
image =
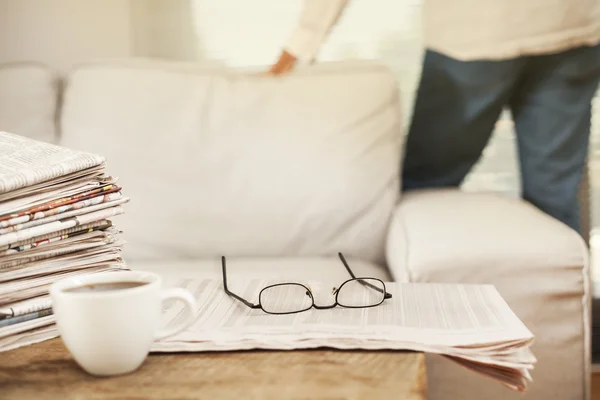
{"x": 47, "y": 371}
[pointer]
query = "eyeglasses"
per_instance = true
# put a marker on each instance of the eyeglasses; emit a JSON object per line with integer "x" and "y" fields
{"x": 290, "y": 298}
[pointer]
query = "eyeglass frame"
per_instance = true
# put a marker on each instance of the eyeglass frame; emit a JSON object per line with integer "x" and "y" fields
{"x": 336, "y": 291}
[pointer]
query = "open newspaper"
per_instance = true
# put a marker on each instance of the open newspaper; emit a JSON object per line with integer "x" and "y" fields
{"x": 471, "y": 324}
{"x": 56, "y": 206}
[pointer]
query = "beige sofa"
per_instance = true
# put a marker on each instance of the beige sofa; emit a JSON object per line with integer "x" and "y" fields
{"x": 280, "y": 174}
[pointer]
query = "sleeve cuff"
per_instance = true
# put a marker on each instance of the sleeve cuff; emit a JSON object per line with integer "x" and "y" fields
{"x": 303, "y": 44}
{"x": 316, "y": 20}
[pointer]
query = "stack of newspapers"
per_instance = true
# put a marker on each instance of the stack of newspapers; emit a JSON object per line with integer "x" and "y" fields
{"x": 55, "y": 210}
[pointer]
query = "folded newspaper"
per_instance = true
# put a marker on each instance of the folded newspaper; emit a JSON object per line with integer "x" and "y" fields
{"x": 470, "y": 324}
{"x": 55, "y": 210}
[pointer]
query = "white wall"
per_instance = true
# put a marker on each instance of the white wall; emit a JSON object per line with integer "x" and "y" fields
{"x": 62, "y": 32}
{"x": 165, "y": 29}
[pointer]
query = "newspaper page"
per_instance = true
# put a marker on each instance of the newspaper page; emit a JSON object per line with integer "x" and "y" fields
{"x": 53, "y": 237}
{"x": 26, "y": 162}
{"x": 64, "y": 262}
{"x": 16, "y": 205}
{"x": 26, "y": 326}
{"x": 59, "y": 225}
{"x": 22, "y": 260}
{"x": 63, "y": 183}
{"x": 59, "y": 205}
{"x": 93, "y": 206}
{"x": 29, "y": 337}
{"x": 436, "y": 314}
{"x": 26, "y": 306}
{"x": 90, "y": 235}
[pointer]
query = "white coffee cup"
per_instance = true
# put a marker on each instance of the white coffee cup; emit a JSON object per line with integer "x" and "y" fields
{"x": 110, "y": 332}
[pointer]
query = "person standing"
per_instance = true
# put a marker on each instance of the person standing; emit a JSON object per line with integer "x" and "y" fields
{"x": 539, "y": 59}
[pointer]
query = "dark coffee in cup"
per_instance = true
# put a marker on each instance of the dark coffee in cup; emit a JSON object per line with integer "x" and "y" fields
{"x": 104, "y": 287}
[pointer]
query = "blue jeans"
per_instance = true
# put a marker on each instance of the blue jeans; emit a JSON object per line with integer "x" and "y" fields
{"x": 549, "y": 96}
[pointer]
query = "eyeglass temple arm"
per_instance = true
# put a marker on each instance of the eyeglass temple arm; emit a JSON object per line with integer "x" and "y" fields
{"x": 240, "y": 298}
{"x": 385, "y": 295}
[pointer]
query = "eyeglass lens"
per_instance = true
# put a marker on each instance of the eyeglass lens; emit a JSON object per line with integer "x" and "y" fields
{"x": 285, "y": 298}
{"x": 362, "y": 292}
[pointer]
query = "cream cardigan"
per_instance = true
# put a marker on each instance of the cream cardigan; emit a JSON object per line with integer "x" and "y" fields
{"x": 473, "y": 29}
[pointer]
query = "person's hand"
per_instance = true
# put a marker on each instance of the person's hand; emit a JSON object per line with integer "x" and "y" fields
{"x": 284, "y": 64}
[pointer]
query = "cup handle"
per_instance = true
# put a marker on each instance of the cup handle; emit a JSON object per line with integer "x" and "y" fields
{"x": 190, "y": 306}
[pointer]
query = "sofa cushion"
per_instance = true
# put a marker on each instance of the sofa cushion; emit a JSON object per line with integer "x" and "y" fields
{"x": 539, "y": 265}
{"x": 219, "y": 161}
{"x": 28, "y": 100}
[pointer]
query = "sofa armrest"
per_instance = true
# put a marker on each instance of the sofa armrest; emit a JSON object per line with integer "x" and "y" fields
{"x": 539, "y": 265}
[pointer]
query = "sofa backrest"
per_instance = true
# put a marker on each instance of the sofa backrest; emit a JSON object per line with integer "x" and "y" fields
{"x": 28, "y": 100}
{"x": 223, "y": 162}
